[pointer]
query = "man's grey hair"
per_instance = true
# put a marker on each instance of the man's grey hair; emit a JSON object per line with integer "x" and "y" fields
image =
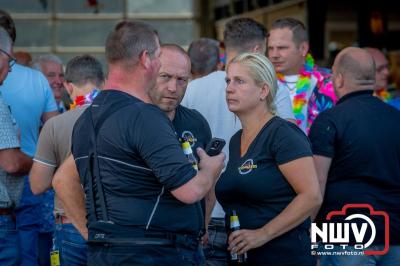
{"x": 204, "y": 56}
{"x": 5, "y": 40}
{"x": 36, "y": 64}
{"x": 83, "y": 69}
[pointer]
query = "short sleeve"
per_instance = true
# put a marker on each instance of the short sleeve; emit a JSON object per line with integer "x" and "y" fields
{"x": 45, "y": 153}
{"x": 158, "y": 145}
{"x": 322, "y": 135}
{"x": 290, "y": 143}
{"x": 283, "y": 103}
{"x": 8, "y": 135}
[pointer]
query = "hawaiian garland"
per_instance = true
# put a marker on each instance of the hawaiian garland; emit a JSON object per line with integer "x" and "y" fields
{"x": 300, "y": 100}
{"x": 302, "y": 86}
{"x": 82, "y": 100}
{"x": 383, "y": 94}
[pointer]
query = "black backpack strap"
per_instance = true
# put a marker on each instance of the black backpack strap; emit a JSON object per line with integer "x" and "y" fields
{"x": 93, "y": 171}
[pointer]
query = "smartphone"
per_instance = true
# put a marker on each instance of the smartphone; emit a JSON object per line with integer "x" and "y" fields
{"x": 214, "y": 147}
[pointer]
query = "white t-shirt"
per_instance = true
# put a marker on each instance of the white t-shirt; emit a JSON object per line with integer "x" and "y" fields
{"x": 290, "y": 85}
{"x": 207, "y": 95}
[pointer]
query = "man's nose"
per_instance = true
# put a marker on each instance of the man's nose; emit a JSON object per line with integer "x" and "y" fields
{"x": 60, "y": 79}
{"x": 273, "y": 53}
{"x": 172, "y": 85}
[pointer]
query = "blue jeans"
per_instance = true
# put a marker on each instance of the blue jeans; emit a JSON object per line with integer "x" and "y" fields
{"x": 216, "y": 249}
{"x": 389, "y": 259}
{"x": 45, "y": 241}
{"x": 71, "y": 245}
{"x": 28, "y": 225}
{"x": 9, "y": 245}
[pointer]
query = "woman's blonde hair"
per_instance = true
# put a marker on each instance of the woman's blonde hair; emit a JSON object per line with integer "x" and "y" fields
{"x": 262, "y": 72}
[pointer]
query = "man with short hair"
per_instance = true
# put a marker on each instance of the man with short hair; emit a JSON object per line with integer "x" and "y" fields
{"x": 204, "y": 56}
{"x": 83, "y": 78}
{"x": 168, "y": 93}
{"x": 207, "y": 95}
{"x": 31, "y": 102}
{"x": 142, "y": 193}
{"x": 171, "y": 85}
{"x": 52, "y": 68}
{"x": 357, "y": 158}
{"x": 310, "y": 88}
{"x": 13, "y": 164}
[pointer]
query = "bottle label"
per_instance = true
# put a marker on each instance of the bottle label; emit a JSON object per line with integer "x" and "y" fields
{"x": 187, "y": 151}
{"x": 234, "y": 256}
{"x": 234, "y": 221}
{"x": 55, "y": 258}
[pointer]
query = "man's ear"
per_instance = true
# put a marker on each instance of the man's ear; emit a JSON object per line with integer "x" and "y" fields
{"x": 69, "y": 87}
{"x": 304, "y": 47}
{"x": 144, "y": 59}
{"x": 258, "y": 49}
{"x": 339, "y": 80}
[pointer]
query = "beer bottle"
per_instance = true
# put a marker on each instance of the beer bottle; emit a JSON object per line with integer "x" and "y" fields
{"x": 234, "y": 226}
{"x": 189, "y": 154}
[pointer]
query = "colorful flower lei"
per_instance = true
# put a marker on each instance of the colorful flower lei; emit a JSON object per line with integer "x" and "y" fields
{"x": 383, "y": 94}
{"x": 82, "y": 100}
{"x": 302, "y": 86}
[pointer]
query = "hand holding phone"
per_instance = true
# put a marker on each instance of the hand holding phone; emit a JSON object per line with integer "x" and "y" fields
{"x": 215, "y": 146}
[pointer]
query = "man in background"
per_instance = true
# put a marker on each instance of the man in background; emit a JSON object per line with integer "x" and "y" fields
{"x": 357, "y": 158}
{"x": 52, "y": 68}
{"x": 204, "y": 56}
{"x": 310, "y": 88}
{"x": 83, "y": 79}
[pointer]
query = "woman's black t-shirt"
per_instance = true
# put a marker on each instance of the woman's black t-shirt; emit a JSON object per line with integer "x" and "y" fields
{"x": 253, "y": 185}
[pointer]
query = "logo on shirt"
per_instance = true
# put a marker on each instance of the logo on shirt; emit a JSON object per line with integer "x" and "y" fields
{"x": 247, "y": 166}
{"x": 188, "y": 136}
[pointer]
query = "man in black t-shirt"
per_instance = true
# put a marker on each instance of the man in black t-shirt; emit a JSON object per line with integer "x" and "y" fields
{"x": 358, "y": 160}
{"x": 171, "y": 85}
{"x": 168, "y": 93}
{"x": 141, "y": 192}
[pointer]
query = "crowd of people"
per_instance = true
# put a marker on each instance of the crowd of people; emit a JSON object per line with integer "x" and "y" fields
{"x": 92, "y": 170}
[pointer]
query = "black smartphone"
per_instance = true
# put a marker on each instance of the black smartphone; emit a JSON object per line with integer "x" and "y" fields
{"x": 214, "y": 147}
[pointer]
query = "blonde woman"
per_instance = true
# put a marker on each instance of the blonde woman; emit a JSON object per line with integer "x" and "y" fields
{"x": 270, "y": 180}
